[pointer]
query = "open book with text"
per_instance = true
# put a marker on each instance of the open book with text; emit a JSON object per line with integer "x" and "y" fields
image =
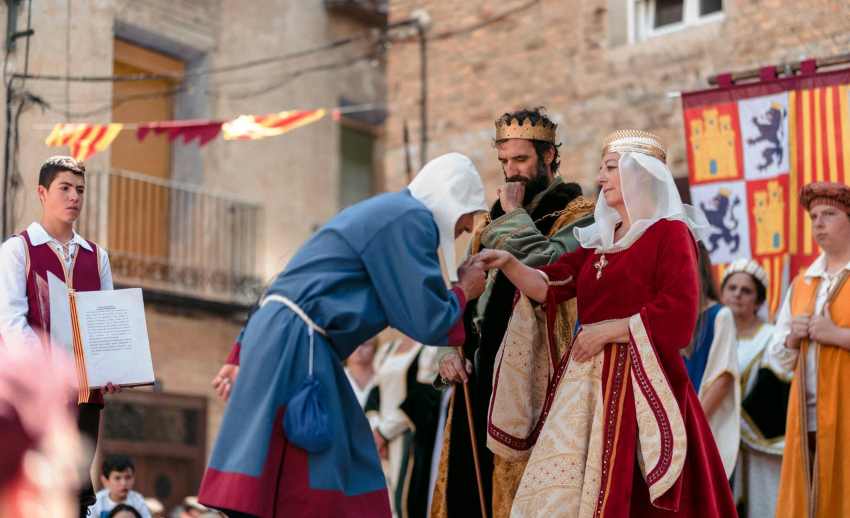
{"x": 104, "y": 331}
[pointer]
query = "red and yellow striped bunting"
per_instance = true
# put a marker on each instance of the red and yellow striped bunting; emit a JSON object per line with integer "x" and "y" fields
{"x": 84, "y": 139}
{"x": 253, "y": 127}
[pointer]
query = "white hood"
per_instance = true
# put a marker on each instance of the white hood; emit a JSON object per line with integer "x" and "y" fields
{"x": 450, "y": 187}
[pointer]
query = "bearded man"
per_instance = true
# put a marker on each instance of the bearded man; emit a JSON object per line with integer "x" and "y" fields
{"x": 533, "y": 219}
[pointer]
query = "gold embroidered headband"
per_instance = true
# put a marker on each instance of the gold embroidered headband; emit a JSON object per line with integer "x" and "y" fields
{"x": 635, "y": 141}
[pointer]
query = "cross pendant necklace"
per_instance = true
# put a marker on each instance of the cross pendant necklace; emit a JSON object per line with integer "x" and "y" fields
{"x": 599, "y": 265}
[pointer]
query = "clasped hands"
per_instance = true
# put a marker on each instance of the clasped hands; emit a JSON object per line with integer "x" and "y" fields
{"x": 471, "y": 278}
{"x": 819, "y": 328}
{"x": 471, "y": 273}
{"x": 589, "y": 342}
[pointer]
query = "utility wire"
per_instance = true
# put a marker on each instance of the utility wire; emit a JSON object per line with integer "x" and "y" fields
{"x": 283, "y": 81}
{"x": 450, "y": 33}
{"x": 339, "y": 43}
{"x": 201, "y": 72}
{"x": 274, "y": 84}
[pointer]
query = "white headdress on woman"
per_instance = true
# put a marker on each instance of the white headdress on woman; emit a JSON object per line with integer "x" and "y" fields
{"x": 750, "y": 266}
{"x": 649, "y": 194}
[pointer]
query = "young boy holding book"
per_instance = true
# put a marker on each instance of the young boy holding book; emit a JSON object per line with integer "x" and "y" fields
{"x": 52, "y": 245}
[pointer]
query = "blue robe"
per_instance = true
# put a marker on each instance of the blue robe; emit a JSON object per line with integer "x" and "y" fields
{"x": 698, "y": 360}
{"x": 374, "y": 265}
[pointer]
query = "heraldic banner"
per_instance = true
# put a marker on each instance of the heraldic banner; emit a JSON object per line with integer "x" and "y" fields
{"x": 751, "y": 147}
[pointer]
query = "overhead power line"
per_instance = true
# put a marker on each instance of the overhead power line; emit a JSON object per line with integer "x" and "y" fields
{"x": 201, "y": 72}
{"x": 335, "y": 44}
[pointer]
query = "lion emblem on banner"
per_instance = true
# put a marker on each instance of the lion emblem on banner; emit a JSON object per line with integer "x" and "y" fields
{"x": 770, "y": 130}
{"x": 723, "y": 221}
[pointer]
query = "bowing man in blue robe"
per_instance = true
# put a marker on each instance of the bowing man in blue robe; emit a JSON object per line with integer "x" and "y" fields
{"x": 373, "y": 265}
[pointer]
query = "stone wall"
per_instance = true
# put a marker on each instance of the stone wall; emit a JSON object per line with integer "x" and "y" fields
{"x": 573, "y": 56}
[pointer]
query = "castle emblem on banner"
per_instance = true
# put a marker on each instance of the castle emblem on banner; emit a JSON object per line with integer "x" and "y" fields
{"x": 713, "y": 142}
{"x": 769, "y": 216}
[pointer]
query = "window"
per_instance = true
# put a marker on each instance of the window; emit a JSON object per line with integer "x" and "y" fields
{"x": 356, "y": 164}
{"x": 656, "y": 17}
{"x": 142, "y": 208}
{"x": 667, "y": 12}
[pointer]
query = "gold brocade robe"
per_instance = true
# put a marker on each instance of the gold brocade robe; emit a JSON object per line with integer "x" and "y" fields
{"x": 506, "y": 474}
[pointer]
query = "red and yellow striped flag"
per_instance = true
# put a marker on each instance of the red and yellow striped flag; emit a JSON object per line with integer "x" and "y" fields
{"x": 253, "y": 127}
{"x": 83, "y": 139}
{"x": 820, "y": 151}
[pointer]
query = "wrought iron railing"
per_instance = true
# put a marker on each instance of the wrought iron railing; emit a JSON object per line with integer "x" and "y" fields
{"x": 174, "y": 238}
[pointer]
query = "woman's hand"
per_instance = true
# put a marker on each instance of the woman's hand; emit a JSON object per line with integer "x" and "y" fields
{"x": 490, "y": 258}
{"x": 223, "y": 381}
{"x": 527, "y": 280}
{"x": 594, "y": 337}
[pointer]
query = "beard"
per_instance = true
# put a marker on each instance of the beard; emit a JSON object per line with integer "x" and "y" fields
{"x": 534, "y": 186}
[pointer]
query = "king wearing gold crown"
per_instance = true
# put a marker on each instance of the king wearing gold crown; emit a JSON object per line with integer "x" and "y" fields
{"x": 533, "y": 219}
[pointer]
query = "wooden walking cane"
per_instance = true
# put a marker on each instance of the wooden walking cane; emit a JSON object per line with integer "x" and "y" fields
{"x": 474, "y": 247}
{"x": 470, "y": 421}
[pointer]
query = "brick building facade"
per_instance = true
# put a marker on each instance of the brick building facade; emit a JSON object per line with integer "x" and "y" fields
{"x": 597, "y": 65}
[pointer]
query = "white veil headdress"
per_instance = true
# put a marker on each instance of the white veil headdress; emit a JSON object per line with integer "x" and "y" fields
{"x": 649, "y": 195}
{"x": 450, "y": 187}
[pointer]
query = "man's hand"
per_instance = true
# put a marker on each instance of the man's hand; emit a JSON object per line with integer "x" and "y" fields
{"x": 799, "y": 332}
{"x": 823, "y": 330}
{"x": 452, "y": 368}
{"x": 381, "y": 445}
{"x": 468, "y": 263}
{"x": 112, "y": 389}
{"x": 223, "y": 381}
{"x": 471, "y": 279}
{"x": 511, "y": 195}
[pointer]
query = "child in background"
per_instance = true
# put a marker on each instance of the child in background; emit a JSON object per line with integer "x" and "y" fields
{"x": 118, "y": 476}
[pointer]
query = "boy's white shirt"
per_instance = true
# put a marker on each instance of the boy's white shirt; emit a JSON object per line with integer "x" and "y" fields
{"x": 104, "y": 503}
{"x": 14, "y": 328}
{"x": 782, "y": 359}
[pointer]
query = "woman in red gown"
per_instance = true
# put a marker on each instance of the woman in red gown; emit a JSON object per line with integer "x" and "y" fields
{"x": 625, "y": 434}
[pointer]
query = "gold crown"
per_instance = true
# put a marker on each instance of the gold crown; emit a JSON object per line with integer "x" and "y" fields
{"x": 543, "y": 130}
{"x": 635, "y": 141}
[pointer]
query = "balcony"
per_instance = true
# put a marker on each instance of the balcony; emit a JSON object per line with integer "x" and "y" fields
{"x": 372, "y": 12}
{"x": 175, "y": 239}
